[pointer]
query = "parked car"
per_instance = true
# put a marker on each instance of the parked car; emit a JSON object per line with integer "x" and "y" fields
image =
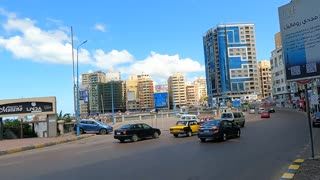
{"x": 190, "y": 117}
{"x": 187, "y": 127}
{"x": 265, "y": 114}
{"x": 260, "y": 110}
{"x": 316, "y": 120}
{"x": 252, "y": 111}
{"x": 272, "y": 110}
{"x": 218, "y": 129}
{"x": 93, "y": 126}
{"x": 236, "y": 117}
{"x": 135, "y": 132}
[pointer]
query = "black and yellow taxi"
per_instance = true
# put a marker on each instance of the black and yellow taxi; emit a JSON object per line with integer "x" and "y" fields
{"x": 185, "y": 127}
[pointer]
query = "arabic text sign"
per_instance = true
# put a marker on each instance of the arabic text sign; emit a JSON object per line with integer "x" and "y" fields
{"x": 25, "y": 107}
{"x": 300, "y": 32}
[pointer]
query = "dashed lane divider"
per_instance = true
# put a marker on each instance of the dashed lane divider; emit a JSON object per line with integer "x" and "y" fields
{"x": 37, "y": 146}
{"x": 291, "y": 171}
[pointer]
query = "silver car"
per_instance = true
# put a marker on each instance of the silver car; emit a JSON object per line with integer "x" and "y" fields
{"x": 252, "y": 111}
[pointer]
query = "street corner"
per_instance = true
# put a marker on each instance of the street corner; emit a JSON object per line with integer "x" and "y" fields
{"x": 292, "y": 169}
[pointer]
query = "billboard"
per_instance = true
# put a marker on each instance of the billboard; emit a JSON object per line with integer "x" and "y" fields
{"x": 84, "y": 95}
{"x": 161, "y": 100}
{"x": 161, "y": 88}
{"x": 300, "y": 33}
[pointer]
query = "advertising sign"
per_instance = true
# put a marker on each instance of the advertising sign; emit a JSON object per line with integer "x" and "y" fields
{"x": 161, "y": 100}
{"x": 25, "y": 107}
{"x": 300, "y": 33}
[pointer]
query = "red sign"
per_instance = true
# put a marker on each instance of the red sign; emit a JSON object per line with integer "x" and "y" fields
{"x": 307, "y": 81}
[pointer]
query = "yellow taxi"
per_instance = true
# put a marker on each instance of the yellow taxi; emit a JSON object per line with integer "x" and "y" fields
{"x": 187, "y": 127}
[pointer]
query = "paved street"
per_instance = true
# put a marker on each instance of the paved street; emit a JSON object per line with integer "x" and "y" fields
{"x": 264, "y": 151}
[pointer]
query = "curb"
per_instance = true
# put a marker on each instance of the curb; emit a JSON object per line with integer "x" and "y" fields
{"x": 38, "y": 146}
{"x": 291, "y": 171}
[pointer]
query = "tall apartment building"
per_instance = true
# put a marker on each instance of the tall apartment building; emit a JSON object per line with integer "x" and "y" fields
{"x": 192, "y": 94}
{"x": 108, "y": 92}
{"x": 94, "y": 79}
{"x": 132, "y": 96}
{"x": 265, "y": 78}
{"x": 231, "y": 62}
{"x": 281, "y": 88}
{"x": 177, "y": 90}
{"x": 145, "y": 92}
{"x": 202, "y": 88}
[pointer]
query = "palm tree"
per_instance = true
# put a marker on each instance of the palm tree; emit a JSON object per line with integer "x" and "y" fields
{"x": 62, "y": 116}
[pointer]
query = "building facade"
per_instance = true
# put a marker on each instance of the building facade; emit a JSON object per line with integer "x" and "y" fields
{"x": 111, "y": 97}
{"x": 265, "y": 79}
{"x": 132, "y": 100}
{"x": 177, "y": 90}
{"x": 94, "y": 80}
{"x": 192, "y": 91}
{"x": 231, "y": 62}
{"x": 202, "y": 89}
{"x": 145, "y": 92}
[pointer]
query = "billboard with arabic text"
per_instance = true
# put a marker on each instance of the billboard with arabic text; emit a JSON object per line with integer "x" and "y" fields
{"x": 300, "y": 33}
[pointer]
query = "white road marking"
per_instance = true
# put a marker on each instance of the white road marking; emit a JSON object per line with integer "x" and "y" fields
{"x": 13, "y": 163}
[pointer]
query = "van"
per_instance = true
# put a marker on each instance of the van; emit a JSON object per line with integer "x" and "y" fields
{"x": 236, "y": 117}
{"x": 189, "y": 117}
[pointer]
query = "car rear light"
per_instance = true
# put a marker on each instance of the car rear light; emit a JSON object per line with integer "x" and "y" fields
{"x": 124, "y": 132}
{"x": 215, "y": 128}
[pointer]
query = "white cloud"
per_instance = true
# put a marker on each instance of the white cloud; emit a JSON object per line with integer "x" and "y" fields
{"x": 100, "y": 27}
{"x": 111, "y": 59}
{"x": 160, "y": 67}
{"x": 30, "y": 42}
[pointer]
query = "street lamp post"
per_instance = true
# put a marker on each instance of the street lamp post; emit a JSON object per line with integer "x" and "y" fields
{"x": 78, "y": 94}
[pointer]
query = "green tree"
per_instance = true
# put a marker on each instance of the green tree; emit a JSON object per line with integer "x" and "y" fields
{"x": 66, "y": 117}
{"x": 15, "y": 127}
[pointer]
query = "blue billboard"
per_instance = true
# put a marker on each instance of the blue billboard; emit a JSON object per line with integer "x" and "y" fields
{"x": 161, "y": 100}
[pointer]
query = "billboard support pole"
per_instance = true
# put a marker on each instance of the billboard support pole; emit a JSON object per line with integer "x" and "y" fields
{"x": 309, "y": 118}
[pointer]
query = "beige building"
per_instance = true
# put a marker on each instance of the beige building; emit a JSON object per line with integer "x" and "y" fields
{"x": 192, "y": 94}
{"x": 177, "y": 90}
{"x": 145, "y": 92}
{"x": 264, "y": 69}
{"x": 132, "y": 99}
{"x": 202, "y": 88}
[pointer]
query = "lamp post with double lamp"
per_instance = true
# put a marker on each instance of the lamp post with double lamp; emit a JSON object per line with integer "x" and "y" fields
{"x": 78, "y": 94}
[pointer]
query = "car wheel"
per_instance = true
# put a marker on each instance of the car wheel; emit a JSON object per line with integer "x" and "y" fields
{"x": 155, "y": 135}
{"x": 189, "y": 133}
{"x": 103, "y": 131}
{"x": 134, "y": 138}
{"x": 203, "y": 139}
{"x": 81, "y": 131}
{"x": 224, "y": 137}
{"x": 122, "y": 140}
{"x": 238, "y": 133}
{"x": 175, "y": 135}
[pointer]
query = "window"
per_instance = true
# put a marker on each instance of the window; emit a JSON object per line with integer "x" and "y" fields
{"x": 145, "y": 126}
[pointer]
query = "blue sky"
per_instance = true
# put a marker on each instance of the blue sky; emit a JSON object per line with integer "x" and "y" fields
{"x": 153, "y": 37}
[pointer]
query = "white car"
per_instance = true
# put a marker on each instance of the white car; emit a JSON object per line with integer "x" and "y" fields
{"x": 260, "y": 110}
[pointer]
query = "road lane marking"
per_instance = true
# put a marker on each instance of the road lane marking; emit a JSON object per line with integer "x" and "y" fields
{"x": 13, "y": 163}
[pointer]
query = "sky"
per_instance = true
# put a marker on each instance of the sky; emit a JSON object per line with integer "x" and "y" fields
{"x": 158, "y": 38}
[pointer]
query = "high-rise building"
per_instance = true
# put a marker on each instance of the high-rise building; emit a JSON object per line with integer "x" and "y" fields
{"x": 108, "y": 92}
{"x": 231, "y": 62}
{"x": 265, "y": 78}
{"x": 177, "y": 90}
{"x": 145, "y": 92}
{"x": 132, "y": 96}
{"x": 202, "y": 88}
{"x": 94, "y": 79}
{"x": 192, "y": 94}
{"x": 281, "y": 88}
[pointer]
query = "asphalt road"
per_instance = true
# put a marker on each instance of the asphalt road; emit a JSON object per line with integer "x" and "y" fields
{"x": 264, "y": 151}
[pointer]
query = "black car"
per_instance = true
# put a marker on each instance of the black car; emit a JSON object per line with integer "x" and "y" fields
{"x": 218, "y": 129}
{"x": 316, "y": 120}
{"x": 271, "y": 110}
{"x": 135, "y": 132}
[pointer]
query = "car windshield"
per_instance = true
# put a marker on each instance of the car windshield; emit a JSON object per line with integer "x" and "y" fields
{"x": 181, "y": 123}
{"x": 227, "y": 115}
{"x": 212, "y": 123}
